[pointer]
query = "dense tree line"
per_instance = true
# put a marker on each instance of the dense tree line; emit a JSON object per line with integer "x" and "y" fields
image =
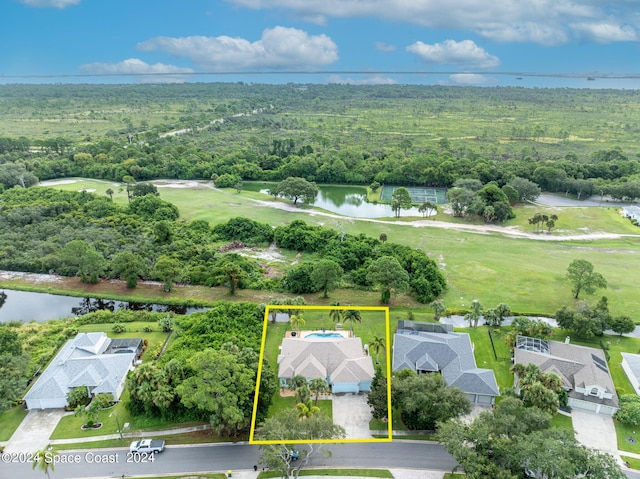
{"x": 78, "y": 233}
{"x": 355, "y": 255}
{"x": 209, "y": 373}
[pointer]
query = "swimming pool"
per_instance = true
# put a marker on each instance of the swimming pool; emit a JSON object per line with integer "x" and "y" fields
{"x": 324, "y": 335}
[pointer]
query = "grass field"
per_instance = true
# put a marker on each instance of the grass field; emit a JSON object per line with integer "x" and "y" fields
{"x": 527, "y": 274}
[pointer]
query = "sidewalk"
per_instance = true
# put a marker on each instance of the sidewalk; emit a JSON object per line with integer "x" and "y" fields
{"x": 131, "y": 435}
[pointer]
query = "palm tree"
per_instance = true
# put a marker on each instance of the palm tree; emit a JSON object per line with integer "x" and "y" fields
{"x": 318, "y": 386}
{"x": 438, "y": 309}
{"x": 352, "y": 315}
{"x": 110, "y": 193}
{"x": 376, "y": 344}
{"x": 306, "y": 410}
{"x": 296, "y": 382}
{"x": 44, "y": 460}
{"x": 296, "y": 321}
{"x": 336, "y": 315}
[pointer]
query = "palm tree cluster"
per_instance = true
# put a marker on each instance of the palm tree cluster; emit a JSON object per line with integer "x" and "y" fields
{"x": 345, "y": 315}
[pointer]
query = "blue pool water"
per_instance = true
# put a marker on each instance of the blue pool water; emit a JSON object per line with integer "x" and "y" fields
{"x": 324, "y": 335}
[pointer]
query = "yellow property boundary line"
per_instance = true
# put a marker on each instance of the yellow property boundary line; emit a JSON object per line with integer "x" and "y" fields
{"x": 384, "y": 309}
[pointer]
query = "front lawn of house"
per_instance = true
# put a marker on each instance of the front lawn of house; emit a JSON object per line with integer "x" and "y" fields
{"x": 10, "y": 420}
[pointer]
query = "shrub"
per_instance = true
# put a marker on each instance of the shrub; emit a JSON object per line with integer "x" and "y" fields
{"x": 118, "y": 328}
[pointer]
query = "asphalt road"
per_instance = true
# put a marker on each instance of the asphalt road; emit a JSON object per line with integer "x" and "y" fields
{"x": 222, "y": 457}
{"x": 192, "y": 459}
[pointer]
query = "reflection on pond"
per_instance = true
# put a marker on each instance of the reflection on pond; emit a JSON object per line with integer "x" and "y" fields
{"x": 344, "y": 200}
{"x": 28, "y": 306}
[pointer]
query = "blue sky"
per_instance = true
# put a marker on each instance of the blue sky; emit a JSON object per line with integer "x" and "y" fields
{"x": 348, "y": 41}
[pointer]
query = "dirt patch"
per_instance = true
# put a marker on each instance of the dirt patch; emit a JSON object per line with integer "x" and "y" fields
{"x": 33, "y": 278}
{"x": 268, "y": 255}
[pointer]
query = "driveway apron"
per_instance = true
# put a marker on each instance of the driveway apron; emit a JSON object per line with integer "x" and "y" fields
{"x": 352, "y": 412}
{"x": 595, "y": 430}
{"x": 35, "y": 430}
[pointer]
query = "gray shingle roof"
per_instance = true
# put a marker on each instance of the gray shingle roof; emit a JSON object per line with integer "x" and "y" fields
{"x": 633, "y": 360}
{"x": 81, "y": 362}
{"x": 448, "y": 352}
{"x": 578, "y": 366}
{"x": 323, "y": 357}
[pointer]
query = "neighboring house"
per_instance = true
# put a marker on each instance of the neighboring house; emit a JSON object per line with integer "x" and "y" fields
{"x": 340, "y": 360}
{"x": 429, "y": 348}
{"x": 90, "y": 360}
{"x": 583, "y": 370}
{"x": 631, "y": 212}
{"x": 631, "y": 365}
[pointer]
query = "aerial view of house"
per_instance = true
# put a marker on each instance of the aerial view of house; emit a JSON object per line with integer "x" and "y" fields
{"x": 583, "y": 370}
{"x": 334, "y": 356}
{"x": 427, "y": 348}
{"x": 91, "y": 360}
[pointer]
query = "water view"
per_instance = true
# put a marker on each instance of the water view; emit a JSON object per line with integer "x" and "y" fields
{"x": 28, "y": 306}
{"x": 343, "y": 200}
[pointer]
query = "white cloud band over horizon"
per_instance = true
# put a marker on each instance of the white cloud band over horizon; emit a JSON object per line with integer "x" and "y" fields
{"x": 278, "y": 48}
{"x": 545, "y": 22}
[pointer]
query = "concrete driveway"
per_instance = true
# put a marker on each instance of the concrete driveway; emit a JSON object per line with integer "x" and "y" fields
{"x": 35, "y": 430}
{"x": 352, "y": 412}
{"x": 595, "y": 430}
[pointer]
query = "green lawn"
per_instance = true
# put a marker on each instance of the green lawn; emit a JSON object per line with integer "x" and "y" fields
{"x": 632, "y": 462}
{"x": 484, "y": 353}
{"x": 561, "y": 421}
{"x": 624, "y": 431}
{"x": 70, "y": 426}
{"x": 10, "y": 420}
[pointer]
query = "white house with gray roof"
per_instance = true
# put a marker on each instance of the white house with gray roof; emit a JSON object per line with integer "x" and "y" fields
{"x": 90, "y": 360}
{"x": 631, "y": 366}
{"x": 340, "y": 360}
{"x": 583, "y": 371}
{"x": 437, "y": 349}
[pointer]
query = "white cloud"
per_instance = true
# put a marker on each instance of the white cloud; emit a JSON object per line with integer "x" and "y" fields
{"x": 50, "y": 3}
{"x": 385, "y": 47}
{"x": 605, "y": 32}
{"x": 367, "y": 80}
{"x": 279, "y": 47}
{"x": 470, "y": 79}
{"x": 548, "y": 22}
{"x": 157, "y": 73}
{"x": 465, "y": 53}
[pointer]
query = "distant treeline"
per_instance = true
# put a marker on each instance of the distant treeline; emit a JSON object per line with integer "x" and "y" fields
{"x": 564, "y": 140}
{"x": 607, "y": 171}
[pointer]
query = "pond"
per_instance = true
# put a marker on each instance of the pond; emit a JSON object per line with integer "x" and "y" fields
{"x": 343, "y": 200}
{"x": 28, "y": 306}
